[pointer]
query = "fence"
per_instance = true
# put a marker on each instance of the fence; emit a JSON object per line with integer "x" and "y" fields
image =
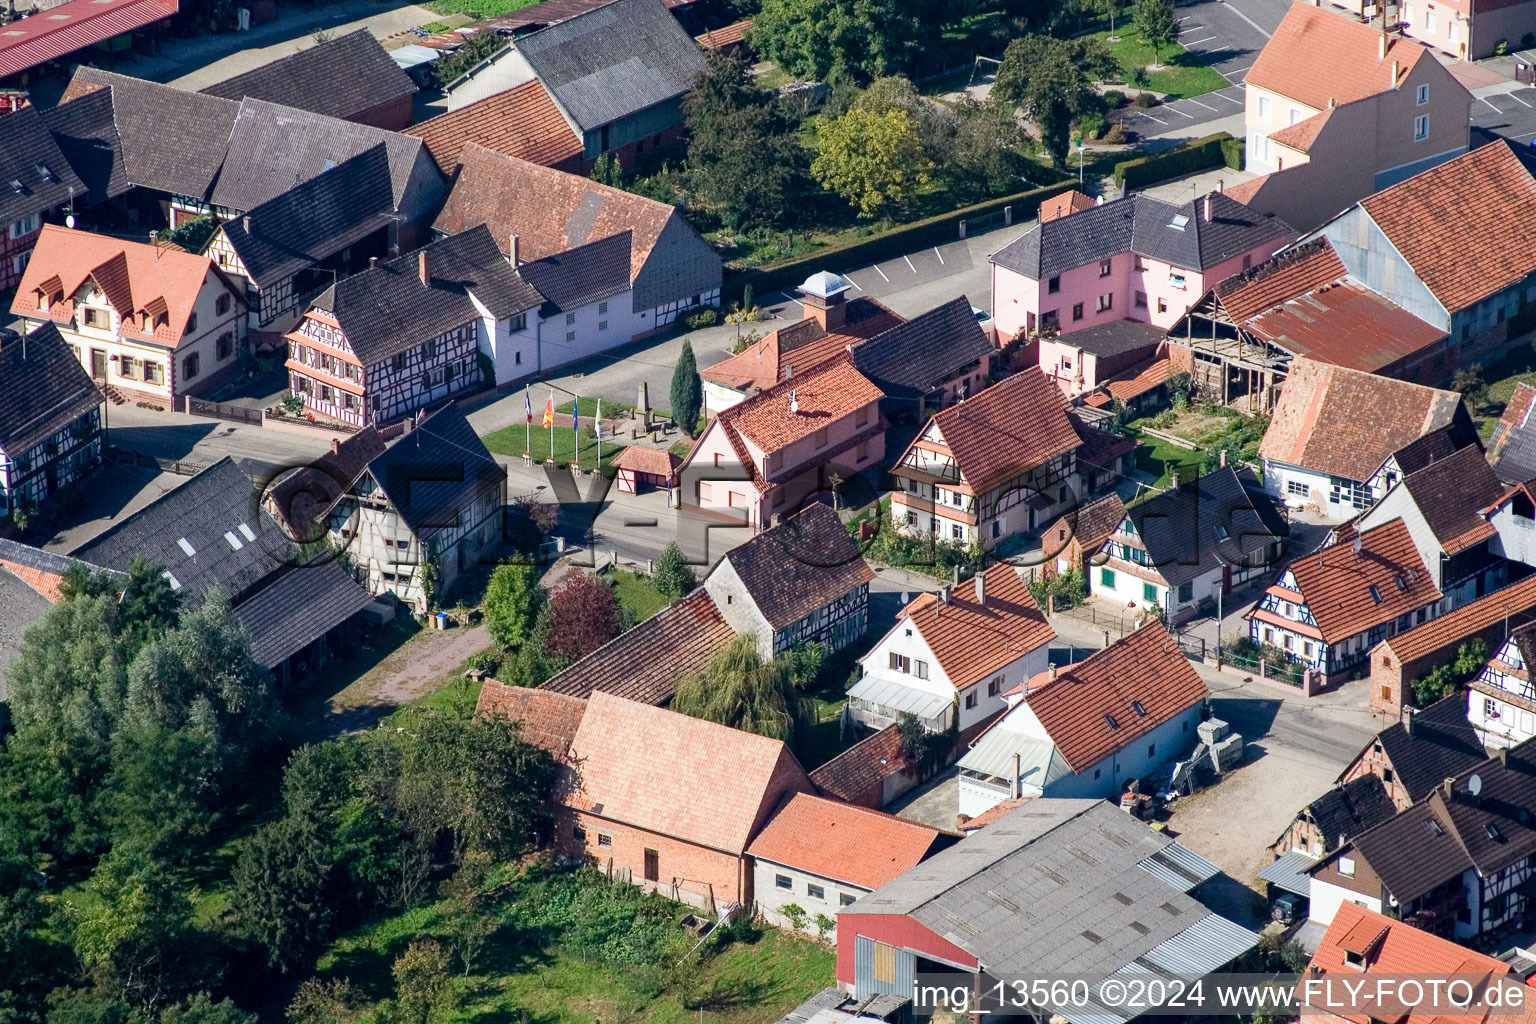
{"x": 1276, "y": 672}
{"x": 219, "y": 410}
{"x": 130, "y": 457}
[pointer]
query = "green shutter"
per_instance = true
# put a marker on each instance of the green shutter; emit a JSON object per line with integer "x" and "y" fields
{"x": 1149, "y": 593}
{"x": 1107, "y": 578}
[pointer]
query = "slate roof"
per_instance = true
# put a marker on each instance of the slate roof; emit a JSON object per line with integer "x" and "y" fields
{"x": 170, "y": 140}
{"x": 1215, "y": 520}
{"x": 547, "y": 719}
{"x": 57, "y": 391}
{"x": 1435, "y": 744}
{"x": 972, "y": 640}
{"x": 272, "y": 148}
{"x": 341, "y": 77}
{"x": 1117, "y": 337}
{"x": 1321, "y": 59}
{"x": 386, "y": 309}
{"x": 644, "y": 663}
{"x": 800, "y": 346}
{"x": 1147, "y": 227}
{"x": 298, "y": 607}
{"x": 1007, "y": 429}
{"x": 1459, "y": 225}
{"x": 30, "y": 157}
{"x": 521, "y": 121}
{"x": 805, "y": 563}
{"x": 1350, "y": 808}
{"x": 1452, "y": 493}
{"x": 1336, "y": 582}
{"x": 581, "y": 276}
{"x": 842, "y": 842}
{"x": 678, "y": 776}
{"x": 912, "y": 358}
{"x": 1090, "y": 709}
{"x": 1027, "y": 894}
{"x": 614, "y": 61}
{"x": 300, "y": 499}
{"x": 434, "y": 470}
{"x": 1513, "y": 444}
{"x": 859, "y": 769}
{"x": 1436, "y": 445}
{"x": 135, "y": 278}
{"x": 87, "y": 136}
{"x": 551, "y": 211}
{"x": 1331, "y": 419}
{"x": 315, "y": 219}
{"x": 234, "y": 544}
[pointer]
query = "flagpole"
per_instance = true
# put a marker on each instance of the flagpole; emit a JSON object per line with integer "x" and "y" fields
{"x": 551, "y": 424}
{"x": 576, "y": 430}
{"x": 598, "y": 423}
{"x": 528, "y": 425}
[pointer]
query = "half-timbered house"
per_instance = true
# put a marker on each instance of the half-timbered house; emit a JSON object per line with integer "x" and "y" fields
{"x": 999, "y": 463}
{"x": 50, "y": 418}
{"x": 1329, "y": 609}
{"x": 35, "y": 180}
{"x": 1501, "y": 701}
{"x": 435, "y": 496}
{"x": 406, "y": 333}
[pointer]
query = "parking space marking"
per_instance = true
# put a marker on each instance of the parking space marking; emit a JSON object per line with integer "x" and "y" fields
{"x": 909, "y": 263}
{"x": 1197, "y": 42}
{"x": 851, "y": 281}
{"x": 1199, "y": 104}
{"x": 938, "y": 254}
{"x": 1181, "y": 113}
{"x": 1517, "y": 99}
{"x": 1159, "y": 120}
{"x": 1249, "y": 20}
{"x": 877, "y": 270}
{"x": 1485, "y": 100}
{"x": 1229, "y": 99}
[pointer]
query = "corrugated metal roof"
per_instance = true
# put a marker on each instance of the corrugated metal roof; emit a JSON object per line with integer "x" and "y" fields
{"x": 1204, "y": 946}
{"x": 1039, "y": 763}
{"x": 889, "y": 693}
{"x": 1290, "y": 873}
{"x": 73, "y": 26}
{"x": 1179, "y": 866}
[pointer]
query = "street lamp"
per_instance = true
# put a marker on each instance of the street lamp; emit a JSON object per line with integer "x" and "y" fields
{"x": 1079, "y": 162}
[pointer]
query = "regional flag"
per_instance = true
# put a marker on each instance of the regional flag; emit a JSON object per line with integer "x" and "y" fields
{"x": 549, "y": 412}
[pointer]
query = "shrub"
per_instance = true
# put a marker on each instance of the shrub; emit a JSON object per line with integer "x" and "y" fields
{"x": 794, "y": 913}
{"x": 1114, "y": 99}
{"x": 1117, "y": 135}
{"x": 484, "y": 661}
{"x": 1197, "y": 155}
{"x": 1232, "y": 153}
{"x": 1145, "y": 99}
{"x": 700, "y": 316}
{"x": 1091, "y": 126}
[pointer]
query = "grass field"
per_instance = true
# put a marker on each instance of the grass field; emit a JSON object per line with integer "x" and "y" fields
{"x": 636, "y": 593}
{"x": 1182, "y": 75}
{"x": 479, "y": 8}
{"x": 510, "y": 441}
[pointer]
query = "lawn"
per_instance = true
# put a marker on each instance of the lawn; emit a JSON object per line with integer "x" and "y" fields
{"x": 510, "y": 441}
{"x": 584, "y": 968}
{"x": 1181, "y": 76}
{"x": 480, "y": 9}
{"x": 635, "y": 593}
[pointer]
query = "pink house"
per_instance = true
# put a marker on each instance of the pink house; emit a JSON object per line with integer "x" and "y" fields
{"x": 1133, "y": 259}
{"x": 770, "y": 454}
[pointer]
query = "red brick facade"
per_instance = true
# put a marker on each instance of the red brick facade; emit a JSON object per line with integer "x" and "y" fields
{"x": 685, "y": 871}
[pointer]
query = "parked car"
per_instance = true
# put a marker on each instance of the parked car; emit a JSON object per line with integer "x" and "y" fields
{"x": 1289, "y": 908}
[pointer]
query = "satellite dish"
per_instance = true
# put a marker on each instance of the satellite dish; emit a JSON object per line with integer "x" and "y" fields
{"x": 1475, "y": 785}
{"x": 69, "y": 221}
{"x": 905, "y": 597}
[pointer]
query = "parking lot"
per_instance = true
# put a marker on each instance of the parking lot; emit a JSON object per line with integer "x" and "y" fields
{"x": 1510, "y": 114}
{"x": 1213, "y": 106}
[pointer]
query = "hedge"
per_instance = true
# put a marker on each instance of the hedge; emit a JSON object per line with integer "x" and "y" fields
{"x": 937, "y": 230}
{"x": 1196, "y": 155}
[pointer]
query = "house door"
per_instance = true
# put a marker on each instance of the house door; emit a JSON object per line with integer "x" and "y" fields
{"x": 1226, "y": 579}
{"x": 652, "y": 866}
{"x": 98, "y": 362}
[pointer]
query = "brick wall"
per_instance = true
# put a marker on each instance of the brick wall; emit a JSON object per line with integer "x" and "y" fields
{"x": 685, "y": 871}
{"x": 1387, "y": 680}
{"x": 44, "y": 583}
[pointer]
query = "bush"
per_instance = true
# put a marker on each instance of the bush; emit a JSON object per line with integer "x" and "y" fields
{"x": 1117, "y": 135}
{"x": 1091, "y": 126}
{"x": 1232, "y": 153}
{"x": 1145, "y": 100}
{"x": 1114, "y": 99}
{"x": 701, "y": 316}
{"x": 1069, "y": 589}
{"x": 1197, "y": 155}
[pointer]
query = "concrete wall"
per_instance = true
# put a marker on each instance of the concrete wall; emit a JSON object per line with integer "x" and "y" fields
{"x": 772, "y": 897}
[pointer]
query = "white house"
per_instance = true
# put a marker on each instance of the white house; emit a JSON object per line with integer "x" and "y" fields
{"x": 1123, "y": 713}
{"x": 1501, "y": 704}
{"x": 952, "y": 655}
{"x": 820, "y": 855}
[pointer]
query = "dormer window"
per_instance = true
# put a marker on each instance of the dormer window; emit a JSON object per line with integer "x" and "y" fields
{"x": 42, "y": 300}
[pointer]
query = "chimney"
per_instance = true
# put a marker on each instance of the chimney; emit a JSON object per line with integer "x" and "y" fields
{"x": 1343, "y": 840}
{"x": 1446, "y": 787}
{"x": 1013, "y": 780}
{"x": 1050, "y": 672}
{"x": 516, "y": 256}
{"x": 822, "y": 298}
{"x": 1221, "y": 458}
{"x": 335, "y": 446}
{"x": 1393, "y": 84}
{"x": 1207, "y": 209}
{"x": 1381, "y": 49}
{"x": 405, "y": 425}
{"x": 944, "y": 596}
{"x": 373, "y": 261}
{"x": 245, "y": 223}
{"x": 981, "y": 590}
{"x": 1408, "y": 721}
{"x": 421, "y": 268}
{"x": 1502, "y": 754}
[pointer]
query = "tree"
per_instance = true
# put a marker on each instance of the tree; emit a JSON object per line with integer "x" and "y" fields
{"x": 471, "y": 931}
{"x": 130, "y": 928}
{"x": 606, "y": 171}
{"x": 673, "y": 576}
{"x": 1111, "y": 10}
{"x": 471, "y": 51}
{"x": 583, "y": 615}
{"x": 512, "y": 598}
{"x": 1155, "y": 22}
{"x": 1446, "y": 679}
{"x": 201, "y": 1009}
{"x": 985, "y": 150}
{"x": 747, "y": 167}
{"x": 330, "y": 1001}
{"x": 875, "y": 161}
{"x": 687, "y": 391}
{"x": 739, "y": 688}
{"x": 422, "y": 986}
{"x": 282, "y": 889}
{"x": 1051, "y": 80}
{"x": 826, "y": 40}
{"x": 1469, "y": 383}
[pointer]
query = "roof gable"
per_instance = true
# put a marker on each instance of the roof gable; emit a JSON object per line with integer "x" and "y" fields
{"x": 1348, "y": 591}
{"x": 1215, "y": 520}
{"x": 57, "y": 391}
{"x": 805, "y": 563}
{"x": 1008, "y": 429}
{"x": 545, "y": 718}
{"x": 434, "y": 471}
{"x": 973, "y": 639}
{"x": 799, "y": 407}
{"x": 521, "y": 122}
{"x": 1390, "y": 946}
{"x": 1322, "y": 59}
{"x": 341, "y": 77}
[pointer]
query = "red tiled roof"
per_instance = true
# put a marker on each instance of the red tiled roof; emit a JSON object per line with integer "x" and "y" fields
{"x": 1344, "y": 422}
{"x": 654, "y": 461}
{"x": 971, "y": 641}
{"x": 1065, "y": 205}
{"x": 823, "y": 396}
{"x": 1136, "y": 382}
{"x": 1244, "y": 191}
{"x": 986, "y": 818}
{"x": 1463, "y": 226}
{"x": 547, "y": 719}
{"x": 1335, "y": 583}
{"x": 1346, "y": 324}
{"x": 1392, "y": 947}
{"x": 1007, "y": 429}
{"x": 59, "y": 31}
{"x": 137, "y": 279}
{"x": 863, "y": 766}
{"x": 800, "y": 347}
{"x": 644, "y": 663}
{"x": 522, "y": 122}
{"x": 1515, "y": 602}
{"x": 1303, "y": 133}
{"x": 1322, "y": 58}
{"x": 842, "y": 842}
{"x": 678, "y": 776}
{"x": 1144, "y": 667}
{"x": 1291, "y": 273}
{"x": 720, "y": 38}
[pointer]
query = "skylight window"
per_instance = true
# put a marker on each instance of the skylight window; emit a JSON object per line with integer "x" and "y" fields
{"x": 1375, "y": 594}
{"x": 1222, "y": 533}
{"x": 235, "y": 543}
{"x": 1493, "y": 832}
{"x": 1140, "y": 708}
{"x": 247, "y": 532}
{"x": 1178, "y": 222}
{"x": 1434, "y": 827}
{"x": 42, "y": 169}
{"x": 186, "y": 547}
{"x": 16, "y": 186}
{"x": 1111, "y": 720}
{"x": 1402, "y": 584}
{"x": 175, "y": 583}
